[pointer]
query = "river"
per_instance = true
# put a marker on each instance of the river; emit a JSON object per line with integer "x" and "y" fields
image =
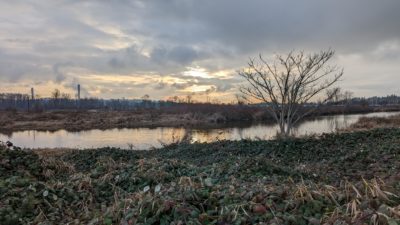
{"x": 146, "y": 138}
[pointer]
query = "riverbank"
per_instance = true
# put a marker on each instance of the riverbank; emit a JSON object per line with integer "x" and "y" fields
{"x": 349, "y": 178}
{"x": 367, "y": 123}
{"x": 215, "y": 117}
{"x": 87, "y": 120}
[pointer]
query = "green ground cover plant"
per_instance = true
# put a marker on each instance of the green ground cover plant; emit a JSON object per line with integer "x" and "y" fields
{"x": 347, "y": 178}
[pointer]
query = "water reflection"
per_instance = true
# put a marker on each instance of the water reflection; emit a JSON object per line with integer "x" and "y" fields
{"x": 146, "y": 138}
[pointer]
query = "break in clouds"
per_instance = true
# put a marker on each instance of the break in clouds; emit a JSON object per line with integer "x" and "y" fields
{"x": 163, "y": 48}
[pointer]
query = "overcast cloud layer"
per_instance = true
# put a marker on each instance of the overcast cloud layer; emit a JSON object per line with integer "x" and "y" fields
{"x": 164, "y": 48}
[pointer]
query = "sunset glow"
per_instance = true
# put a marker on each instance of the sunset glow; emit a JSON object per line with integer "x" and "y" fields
{"x": 120, "y": 50}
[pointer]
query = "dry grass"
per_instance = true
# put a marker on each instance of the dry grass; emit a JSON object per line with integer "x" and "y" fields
{"x": 367, "y": 123}
{"x": 53, "y": 152}
{"x": 76, "y": 121}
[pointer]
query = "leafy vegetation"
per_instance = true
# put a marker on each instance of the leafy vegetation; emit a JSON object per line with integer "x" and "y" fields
{"x": 351, "y": 178}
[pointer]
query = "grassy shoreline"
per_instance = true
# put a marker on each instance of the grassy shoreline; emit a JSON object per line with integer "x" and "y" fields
{"x": 367, "y": 123}
{"x": 345, "y": 178}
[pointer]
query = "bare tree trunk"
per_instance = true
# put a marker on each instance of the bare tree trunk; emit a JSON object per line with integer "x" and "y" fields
{"x": 289, "y": 83}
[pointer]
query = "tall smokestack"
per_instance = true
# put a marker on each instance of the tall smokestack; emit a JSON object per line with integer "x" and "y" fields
{"x": 32, "y": 94}
{"x": 79, "y": 92}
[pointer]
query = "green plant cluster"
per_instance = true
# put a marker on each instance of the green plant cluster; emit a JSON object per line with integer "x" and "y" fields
{"x": 350, "y": 178}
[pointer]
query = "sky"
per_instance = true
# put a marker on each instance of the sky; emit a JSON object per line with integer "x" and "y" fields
{"x": 164, "y": 48}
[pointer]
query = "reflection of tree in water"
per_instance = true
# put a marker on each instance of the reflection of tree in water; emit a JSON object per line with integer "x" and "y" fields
{"x": 326, "y": 124}
{"x": 318, "y": 125}
{"x": 339, "y": 122}
{"x": 201, "y": 135}
{"x": 333, "y": 123}
{"x": 210, "y": 135}
{"x": 170, "y": 135}
{"x": 347, "y": 120}
{"x": 187, "y": 136}
{"x": 240, "y": 133}
{"x": 33, "y": 134}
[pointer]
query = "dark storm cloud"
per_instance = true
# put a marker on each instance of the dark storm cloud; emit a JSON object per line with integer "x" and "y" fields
{"x": 251, "y": 25}
{"x": 165, "y": 37}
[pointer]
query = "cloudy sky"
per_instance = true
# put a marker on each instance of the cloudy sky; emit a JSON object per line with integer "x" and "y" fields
{"x": 127, "y": 48}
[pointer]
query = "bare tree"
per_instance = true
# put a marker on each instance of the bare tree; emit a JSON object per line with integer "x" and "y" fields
{"x": 339, "y": 96}
{"x": 335, "y": 95}
{"x": 348, "y": 95}
{"x": 189, "y": 98}
{"x": 289, "y": 82}
{"x": 145, "y": 97}
{"x": 65, "y": 96}
{"x": 240, "y": 100}
{"x": 56, "y": 94}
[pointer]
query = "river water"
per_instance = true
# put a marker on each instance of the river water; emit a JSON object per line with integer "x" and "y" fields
{"x": 146, "y": 138}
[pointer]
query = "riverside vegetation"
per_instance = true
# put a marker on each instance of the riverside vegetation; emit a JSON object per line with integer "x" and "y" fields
{"x": 349, "y": 178}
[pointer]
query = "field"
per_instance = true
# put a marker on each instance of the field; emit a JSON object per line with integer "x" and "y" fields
{"x": 347, "y": 178}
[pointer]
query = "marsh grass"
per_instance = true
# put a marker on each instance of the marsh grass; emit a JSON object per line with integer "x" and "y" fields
{"x": 367, "y": 123}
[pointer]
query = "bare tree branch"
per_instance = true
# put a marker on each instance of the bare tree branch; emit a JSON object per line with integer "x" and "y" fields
{"x": 290, "y": 82}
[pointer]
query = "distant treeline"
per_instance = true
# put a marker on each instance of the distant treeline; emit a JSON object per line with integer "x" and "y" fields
{"x": 15, "y": 101}
{"x": 12, "y": 101}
